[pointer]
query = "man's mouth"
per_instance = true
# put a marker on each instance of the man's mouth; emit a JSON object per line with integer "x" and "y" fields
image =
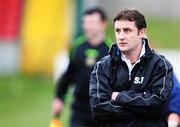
{"x": 122, "y": 43}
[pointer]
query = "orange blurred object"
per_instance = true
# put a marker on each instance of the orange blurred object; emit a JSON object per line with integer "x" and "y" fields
{"x": 56, "y": 123}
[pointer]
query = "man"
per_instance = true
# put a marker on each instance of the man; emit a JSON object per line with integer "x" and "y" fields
{"x": 174, "y": 107}
{"x": 131, "y": 86}
{"x": 85, "y": 52}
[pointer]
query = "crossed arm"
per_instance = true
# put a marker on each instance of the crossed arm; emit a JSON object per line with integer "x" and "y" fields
{"x": 108, "y": 104}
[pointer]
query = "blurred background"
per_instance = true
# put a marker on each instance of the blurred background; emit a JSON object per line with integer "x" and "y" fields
{"x": 34, "y": 39}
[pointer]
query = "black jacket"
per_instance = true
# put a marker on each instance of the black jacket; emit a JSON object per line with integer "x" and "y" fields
{"x": 83, "y": 56}
{"x": 144, "y": 92}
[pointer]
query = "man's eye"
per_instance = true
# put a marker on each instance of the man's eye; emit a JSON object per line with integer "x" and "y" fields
{"x": 117, "y": 30}
{"x": 127, "y": 30}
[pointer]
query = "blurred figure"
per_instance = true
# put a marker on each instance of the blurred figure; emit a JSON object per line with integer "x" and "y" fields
{"x": 174, "y": 107}
{"x": 85, "y": 52}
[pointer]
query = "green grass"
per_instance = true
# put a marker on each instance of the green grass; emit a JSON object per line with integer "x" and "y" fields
{"x": 162, "y": 33}
{"x": 25, "y": 101}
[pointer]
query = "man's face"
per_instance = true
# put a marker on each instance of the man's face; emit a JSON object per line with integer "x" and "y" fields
{"x": 128, "y": 37}
{"x": 93, "y": 25}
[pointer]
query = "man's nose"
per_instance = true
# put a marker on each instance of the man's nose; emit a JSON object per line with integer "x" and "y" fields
{"x": 121, "y": 36}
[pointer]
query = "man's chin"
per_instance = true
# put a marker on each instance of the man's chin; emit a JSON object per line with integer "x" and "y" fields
{"x": 123, "y": 49}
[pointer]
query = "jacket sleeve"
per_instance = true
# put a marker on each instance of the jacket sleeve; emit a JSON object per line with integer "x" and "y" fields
{"x": 100, "y": 97}
{"x": 67, "y": 78}
{"x": 63, "y": 83}
{"x": 153, "y": 101}
{"x": 174, "y": 105}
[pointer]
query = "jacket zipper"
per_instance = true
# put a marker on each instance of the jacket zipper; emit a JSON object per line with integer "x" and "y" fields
{"x": 129, "y": 71}
{"x": 129, "y": 75}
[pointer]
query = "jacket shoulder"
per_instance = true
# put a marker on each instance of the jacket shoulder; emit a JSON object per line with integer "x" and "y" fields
{"x": 162, "y": 61}
{"x": 104, "y": 64}
{"x": 105, "y": 61}
{"x": 76, "y": 43}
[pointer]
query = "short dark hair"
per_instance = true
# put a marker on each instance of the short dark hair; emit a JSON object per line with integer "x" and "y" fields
{"x": 132, "y": 15}
{"x": 98, "y": 10}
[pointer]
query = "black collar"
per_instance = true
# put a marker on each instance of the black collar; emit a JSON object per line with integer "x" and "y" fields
{"x": 115, "y": 52}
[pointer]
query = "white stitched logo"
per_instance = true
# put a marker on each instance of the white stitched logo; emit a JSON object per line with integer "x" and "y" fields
{"x": 138, "y": 80}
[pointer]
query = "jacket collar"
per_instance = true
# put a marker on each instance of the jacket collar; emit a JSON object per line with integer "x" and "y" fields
{"x": 116, "y": 54}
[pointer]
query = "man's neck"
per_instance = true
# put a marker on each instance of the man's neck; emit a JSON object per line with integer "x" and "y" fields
{"x": 134, "y": 55}
{"x": 97, "y": 40}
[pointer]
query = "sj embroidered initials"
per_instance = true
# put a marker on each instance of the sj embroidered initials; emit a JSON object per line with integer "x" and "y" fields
{"x": 138, "y": 80}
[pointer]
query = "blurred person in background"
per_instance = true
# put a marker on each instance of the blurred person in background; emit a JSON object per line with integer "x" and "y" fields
{"x": 131, "y": 86}
{"x": 84, "y": 53}
{"x": 174, "y": 106}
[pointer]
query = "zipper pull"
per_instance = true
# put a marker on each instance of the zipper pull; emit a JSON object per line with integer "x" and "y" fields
{"x": 129, "y": 76}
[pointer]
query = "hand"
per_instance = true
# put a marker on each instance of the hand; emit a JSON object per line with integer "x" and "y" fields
{"x": 58, "y": 106}
{"x": 114, "y": 95}
{"x": 173, "y": 120}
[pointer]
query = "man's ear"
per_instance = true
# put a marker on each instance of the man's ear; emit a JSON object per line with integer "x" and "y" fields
{"x": 142, "y": 32}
